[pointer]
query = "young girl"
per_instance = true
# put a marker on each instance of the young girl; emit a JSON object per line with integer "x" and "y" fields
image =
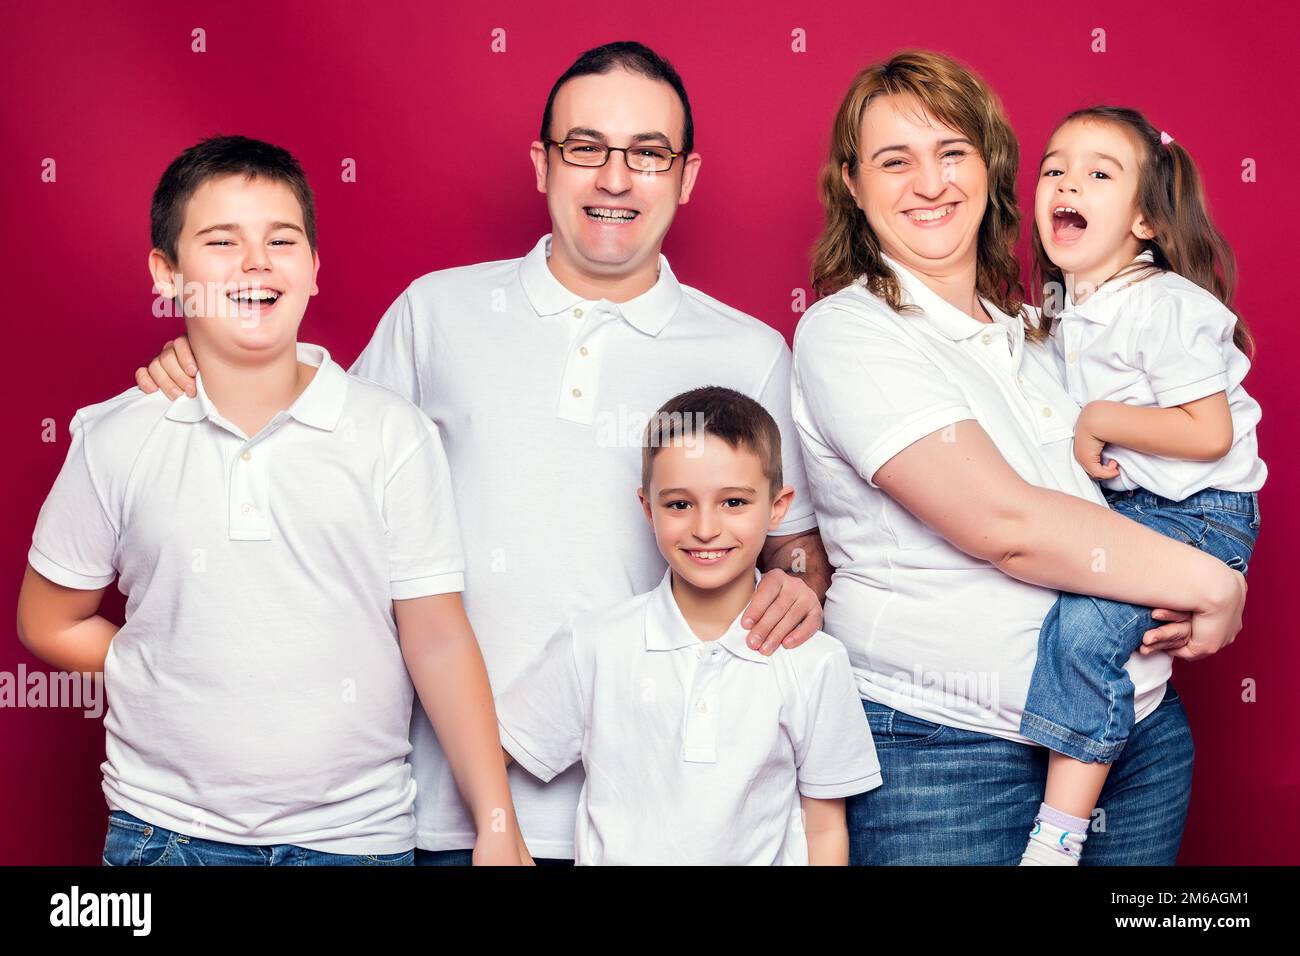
{"x": 1138, "y": 289}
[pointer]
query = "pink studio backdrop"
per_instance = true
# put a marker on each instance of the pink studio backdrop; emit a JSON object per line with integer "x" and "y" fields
{"x": 113, "y": 94}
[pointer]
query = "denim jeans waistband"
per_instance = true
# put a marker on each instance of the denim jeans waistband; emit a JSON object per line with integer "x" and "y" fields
{"x": 1211, "y": 499}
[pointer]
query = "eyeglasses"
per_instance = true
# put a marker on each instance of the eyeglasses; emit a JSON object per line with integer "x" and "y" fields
{"x": 640, "y": 159}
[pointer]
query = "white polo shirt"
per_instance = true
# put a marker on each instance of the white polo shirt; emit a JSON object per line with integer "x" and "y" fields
{"x": 931, "y": 631}
{"x": 1157, "y": 343}
{"x": 696, "y": 752}
{"x": 541, "y": 397}
{"x": 257, "y": 693}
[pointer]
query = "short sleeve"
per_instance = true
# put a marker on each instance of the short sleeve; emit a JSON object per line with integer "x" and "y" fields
{"x": 865, "y": 393}
{"x": 75, "y": 541}
{"x": 424, "y": 548}
{"x": 390, "y": 357}
{"x": 775, "y": 398}
{"x": 836, "y": 756}
{"x": 542, "y": 714}
{"x": 1181, "y": 346}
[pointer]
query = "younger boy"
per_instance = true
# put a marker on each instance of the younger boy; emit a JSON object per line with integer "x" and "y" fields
{"x": 697, "y": 749}
{"x": 286, "y": 539}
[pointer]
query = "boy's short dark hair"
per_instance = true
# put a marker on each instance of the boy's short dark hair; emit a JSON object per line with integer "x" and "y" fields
{"x": 722, "y": 412}
{"x": 223, "y": 156}
{"x": 635, "y": 58}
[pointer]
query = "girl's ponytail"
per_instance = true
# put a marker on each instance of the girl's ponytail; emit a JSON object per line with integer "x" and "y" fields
{"x": 1190, "y": 243}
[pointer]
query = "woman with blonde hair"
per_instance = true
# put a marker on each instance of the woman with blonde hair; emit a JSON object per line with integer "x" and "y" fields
{"x": 938, "y": 442}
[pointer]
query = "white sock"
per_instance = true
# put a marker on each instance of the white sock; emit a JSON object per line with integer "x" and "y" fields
{"x": 1056, "y": 839}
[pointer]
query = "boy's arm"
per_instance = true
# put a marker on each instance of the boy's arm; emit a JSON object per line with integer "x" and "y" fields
{"x": 1199, "y": 430}
{"x": 827, "y": 832}
{"x": 834, "y": 754}
{"x": 61, "y": 626}
{"x": 541, "y": 714}
{"x": 446, "y": 667}
{"x": 525, "y": 857}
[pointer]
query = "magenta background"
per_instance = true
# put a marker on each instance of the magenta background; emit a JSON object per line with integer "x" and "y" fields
{"x": 113, "y": 96}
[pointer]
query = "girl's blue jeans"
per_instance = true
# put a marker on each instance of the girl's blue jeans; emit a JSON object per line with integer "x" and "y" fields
{"x": 1080, "y": 700}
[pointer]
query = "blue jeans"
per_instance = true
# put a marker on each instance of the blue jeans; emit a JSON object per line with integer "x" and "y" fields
{"x": 1080, "y": 700}
{"x": 957, "y": 797}
{"x": 133, "y": 842}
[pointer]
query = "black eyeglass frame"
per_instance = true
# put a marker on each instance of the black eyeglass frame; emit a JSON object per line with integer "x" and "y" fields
{"x": 672, "y": 155}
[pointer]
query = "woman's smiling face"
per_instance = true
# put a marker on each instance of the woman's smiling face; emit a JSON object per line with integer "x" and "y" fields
{"x": 921, "y": 184}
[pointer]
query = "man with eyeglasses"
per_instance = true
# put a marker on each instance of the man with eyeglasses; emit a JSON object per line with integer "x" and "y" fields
{"x": 540, "y": 373}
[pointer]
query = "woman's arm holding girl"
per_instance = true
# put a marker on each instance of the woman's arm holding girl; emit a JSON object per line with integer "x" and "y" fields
{"x": 966, "y": 491}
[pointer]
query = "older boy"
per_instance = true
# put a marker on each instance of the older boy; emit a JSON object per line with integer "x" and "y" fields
{"x": 286, "y": 538}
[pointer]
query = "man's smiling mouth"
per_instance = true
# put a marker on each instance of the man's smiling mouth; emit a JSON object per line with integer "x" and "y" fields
{"x": 609, "y": 214}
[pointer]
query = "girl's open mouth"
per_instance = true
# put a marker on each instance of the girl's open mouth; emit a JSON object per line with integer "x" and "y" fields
{"x": 1067, "y": 224}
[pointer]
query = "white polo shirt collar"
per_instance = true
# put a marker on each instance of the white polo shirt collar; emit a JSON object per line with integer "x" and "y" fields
{"x": 944, "y": 317}
{"x": 1105, "y": 302}
{"x": 649, "y": 312}
{"x": 319, "y": 405}
{"x": 666, "y": 629}
{"x": 1003, "y": 338}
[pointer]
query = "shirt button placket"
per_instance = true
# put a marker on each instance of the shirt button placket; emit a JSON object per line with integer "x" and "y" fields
{"x": 249, "y": 492}
{"x": 578, "y": 389}
{"x": 700, "y": 745}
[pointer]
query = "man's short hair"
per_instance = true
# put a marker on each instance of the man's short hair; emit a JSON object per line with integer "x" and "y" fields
{"x": 635, "y": 58}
